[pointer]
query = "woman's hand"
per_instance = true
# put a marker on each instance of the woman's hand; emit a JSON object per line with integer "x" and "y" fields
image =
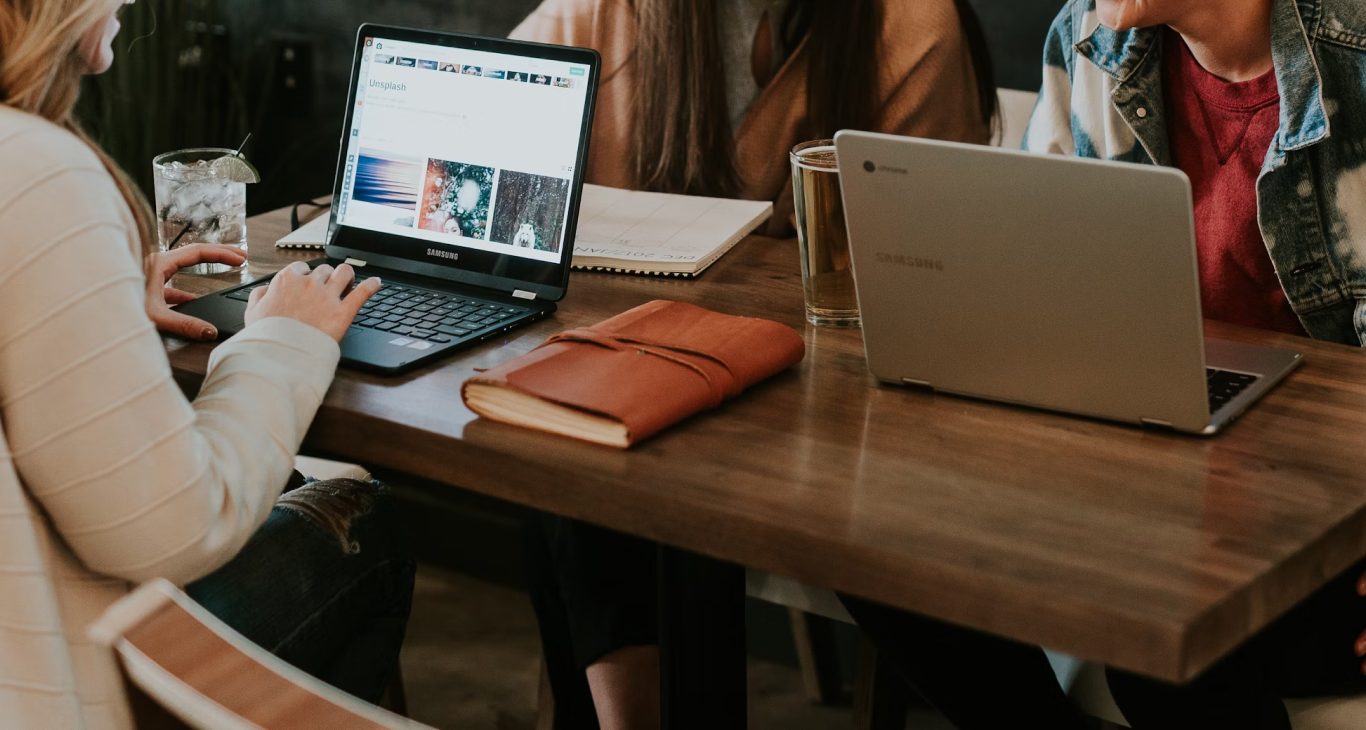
{"x": 316, "y": 297}
{"x": 160, "y": 298}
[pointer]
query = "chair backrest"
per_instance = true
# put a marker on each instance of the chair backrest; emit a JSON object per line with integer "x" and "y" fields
{"x": 211, "y": 678}
{"x": 1016, "y": 109}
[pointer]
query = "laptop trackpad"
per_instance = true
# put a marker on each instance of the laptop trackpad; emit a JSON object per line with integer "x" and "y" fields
{"x": 221, "y": 312}
{"x": 373, "y": 348}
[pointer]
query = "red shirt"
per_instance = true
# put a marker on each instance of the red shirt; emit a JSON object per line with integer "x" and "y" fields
{"x": 1220, "y": 133}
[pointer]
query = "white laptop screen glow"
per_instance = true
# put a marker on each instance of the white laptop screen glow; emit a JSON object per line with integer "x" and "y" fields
{"x": 464, "y": 148}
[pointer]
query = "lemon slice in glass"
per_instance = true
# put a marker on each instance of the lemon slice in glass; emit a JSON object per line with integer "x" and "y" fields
{"x": 234, "y": 169}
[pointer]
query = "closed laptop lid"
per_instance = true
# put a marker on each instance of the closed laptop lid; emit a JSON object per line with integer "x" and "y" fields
{"x": 1043, "y": 280}
{"x": 462, "y": 158}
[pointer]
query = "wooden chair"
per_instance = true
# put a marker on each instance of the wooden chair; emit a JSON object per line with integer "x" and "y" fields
{"x": 1016, "y": 107}
{"x": 184, "y": 668}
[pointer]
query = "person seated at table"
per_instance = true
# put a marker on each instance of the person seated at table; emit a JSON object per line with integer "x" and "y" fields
{"x": 1262, "y": 103}
{"x": 707, "y": 97}
{"x": 110, "y": 475}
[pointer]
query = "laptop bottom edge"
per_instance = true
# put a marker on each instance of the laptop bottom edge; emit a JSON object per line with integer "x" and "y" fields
{"x": 1271, "y": 365}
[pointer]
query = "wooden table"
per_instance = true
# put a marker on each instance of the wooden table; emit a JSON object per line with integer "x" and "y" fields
{"x": 1148, "y": 551}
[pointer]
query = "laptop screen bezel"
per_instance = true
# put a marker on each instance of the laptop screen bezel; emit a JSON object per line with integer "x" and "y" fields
{"x": 500, "y": 272}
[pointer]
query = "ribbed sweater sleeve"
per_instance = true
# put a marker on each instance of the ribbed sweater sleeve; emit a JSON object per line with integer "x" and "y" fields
{"x": 139, "y": 482}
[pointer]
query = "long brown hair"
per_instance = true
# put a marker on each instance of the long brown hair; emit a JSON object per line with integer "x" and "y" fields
{"x": 682, "y": 140}
{"x": 40, "y": 73}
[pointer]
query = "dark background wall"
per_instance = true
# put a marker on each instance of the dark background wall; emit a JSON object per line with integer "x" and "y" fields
{"x": 1016, "y": 30}
{"x": 294, "y": 57}
{"x": 330, "y": 25}
{"x": 291, "y": 62}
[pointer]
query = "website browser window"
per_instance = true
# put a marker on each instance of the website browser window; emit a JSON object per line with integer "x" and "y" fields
{"x": 464, "y": 148}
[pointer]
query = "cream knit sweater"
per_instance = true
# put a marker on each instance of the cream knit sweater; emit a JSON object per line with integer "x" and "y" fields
{"x": 108, "y": 476}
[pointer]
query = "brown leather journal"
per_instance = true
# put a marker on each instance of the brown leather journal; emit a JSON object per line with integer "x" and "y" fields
{"x": 632, "y": 376}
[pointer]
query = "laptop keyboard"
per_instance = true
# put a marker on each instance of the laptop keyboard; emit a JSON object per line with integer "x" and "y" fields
{"x": 409, "y": 311}
{"x": 433, "y": 316}
{"x": 1224, "y": 386}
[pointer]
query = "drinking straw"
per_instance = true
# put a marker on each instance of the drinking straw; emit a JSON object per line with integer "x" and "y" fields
{"x": 179, "y": 236}
{"x": 242, "y": 146}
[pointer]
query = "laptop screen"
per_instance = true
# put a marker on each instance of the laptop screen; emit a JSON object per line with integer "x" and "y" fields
{"x": 470, "y": 152}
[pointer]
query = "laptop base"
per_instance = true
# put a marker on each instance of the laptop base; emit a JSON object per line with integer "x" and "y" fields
{"x": 392, "y": 351}
{"x": 1271, "y": 365}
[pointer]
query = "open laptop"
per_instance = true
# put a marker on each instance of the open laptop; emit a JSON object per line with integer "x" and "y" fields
{"x": 1040, "y": 280}
{"x": 458, "y": 185}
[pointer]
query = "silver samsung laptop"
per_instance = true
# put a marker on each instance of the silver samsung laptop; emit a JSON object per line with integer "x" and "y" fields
{"x": 1045, "y": 281}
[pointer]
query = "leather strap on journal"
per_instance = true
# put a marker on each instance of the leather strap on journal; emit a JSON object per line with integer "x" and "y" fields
{"x": 722, "y": 387}
{"x": 652, "y": 366}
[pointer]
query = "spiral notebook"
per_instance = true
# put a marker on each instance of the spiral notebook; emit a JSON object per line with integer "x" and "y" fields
{"x": 655, "y": 233}
{"x": 312, "y": 234}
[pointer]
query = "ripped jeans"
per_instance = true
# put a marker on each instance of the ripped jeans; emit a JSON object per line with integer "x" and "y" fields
{"x": 324, "y": 585}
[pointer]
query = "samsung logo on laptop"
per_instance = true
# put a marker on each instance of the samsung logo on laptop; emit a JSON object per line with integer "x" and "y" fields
{"x": 453, "y": 256}
{"x": 910, "y": 262}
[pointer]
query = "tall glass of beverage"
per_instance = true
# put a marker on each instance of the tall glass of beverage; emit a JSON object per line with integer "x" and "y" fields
{"x": 198, "y": 203}
{"x": 827, "y": 272}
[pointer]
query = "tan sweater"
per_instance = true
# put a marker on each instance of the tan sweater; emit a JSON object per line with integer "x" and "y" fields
{"x": 927, "y": 87}
{"x": 108, "y": 476}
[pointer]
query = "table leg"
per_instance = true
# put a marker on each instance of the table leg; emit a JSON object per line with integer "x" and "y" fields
{"x": 701, "y": 642}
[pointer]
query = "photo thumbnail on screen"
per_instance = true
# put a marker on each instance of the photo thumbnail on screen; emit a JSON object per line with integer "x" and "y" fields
{"x": 456, "y": 198}
{"x": 390, "y": 181}
{"x": 530, "y": 211}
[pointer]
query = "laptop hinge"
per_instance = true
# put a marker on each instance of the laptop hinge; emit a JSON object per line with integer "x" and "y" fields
{"x": 1154, "y": 423}
{"x": 355, "y": 262}
{"x": 524, "y": 294}
{"x": 917, "y": 383}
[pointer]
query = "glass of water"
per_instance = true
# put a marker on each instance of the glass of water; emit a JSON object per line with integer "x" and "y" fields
{"x": 827, "y": 270}
{"x": 197, "y": 203}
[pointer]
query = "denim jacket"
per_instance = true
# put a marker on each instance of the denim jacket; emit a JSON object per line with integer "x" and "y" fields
{"x": 1102, "y": 97}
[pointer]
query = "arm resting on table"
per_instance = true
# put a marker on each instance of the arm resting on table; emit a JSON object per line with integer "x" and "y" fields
{"x": 139, "y": 482}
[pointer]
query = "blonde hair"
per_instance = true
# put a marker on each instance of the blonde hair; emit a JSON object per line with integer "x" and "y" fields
{"x": 40, "y": 73}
